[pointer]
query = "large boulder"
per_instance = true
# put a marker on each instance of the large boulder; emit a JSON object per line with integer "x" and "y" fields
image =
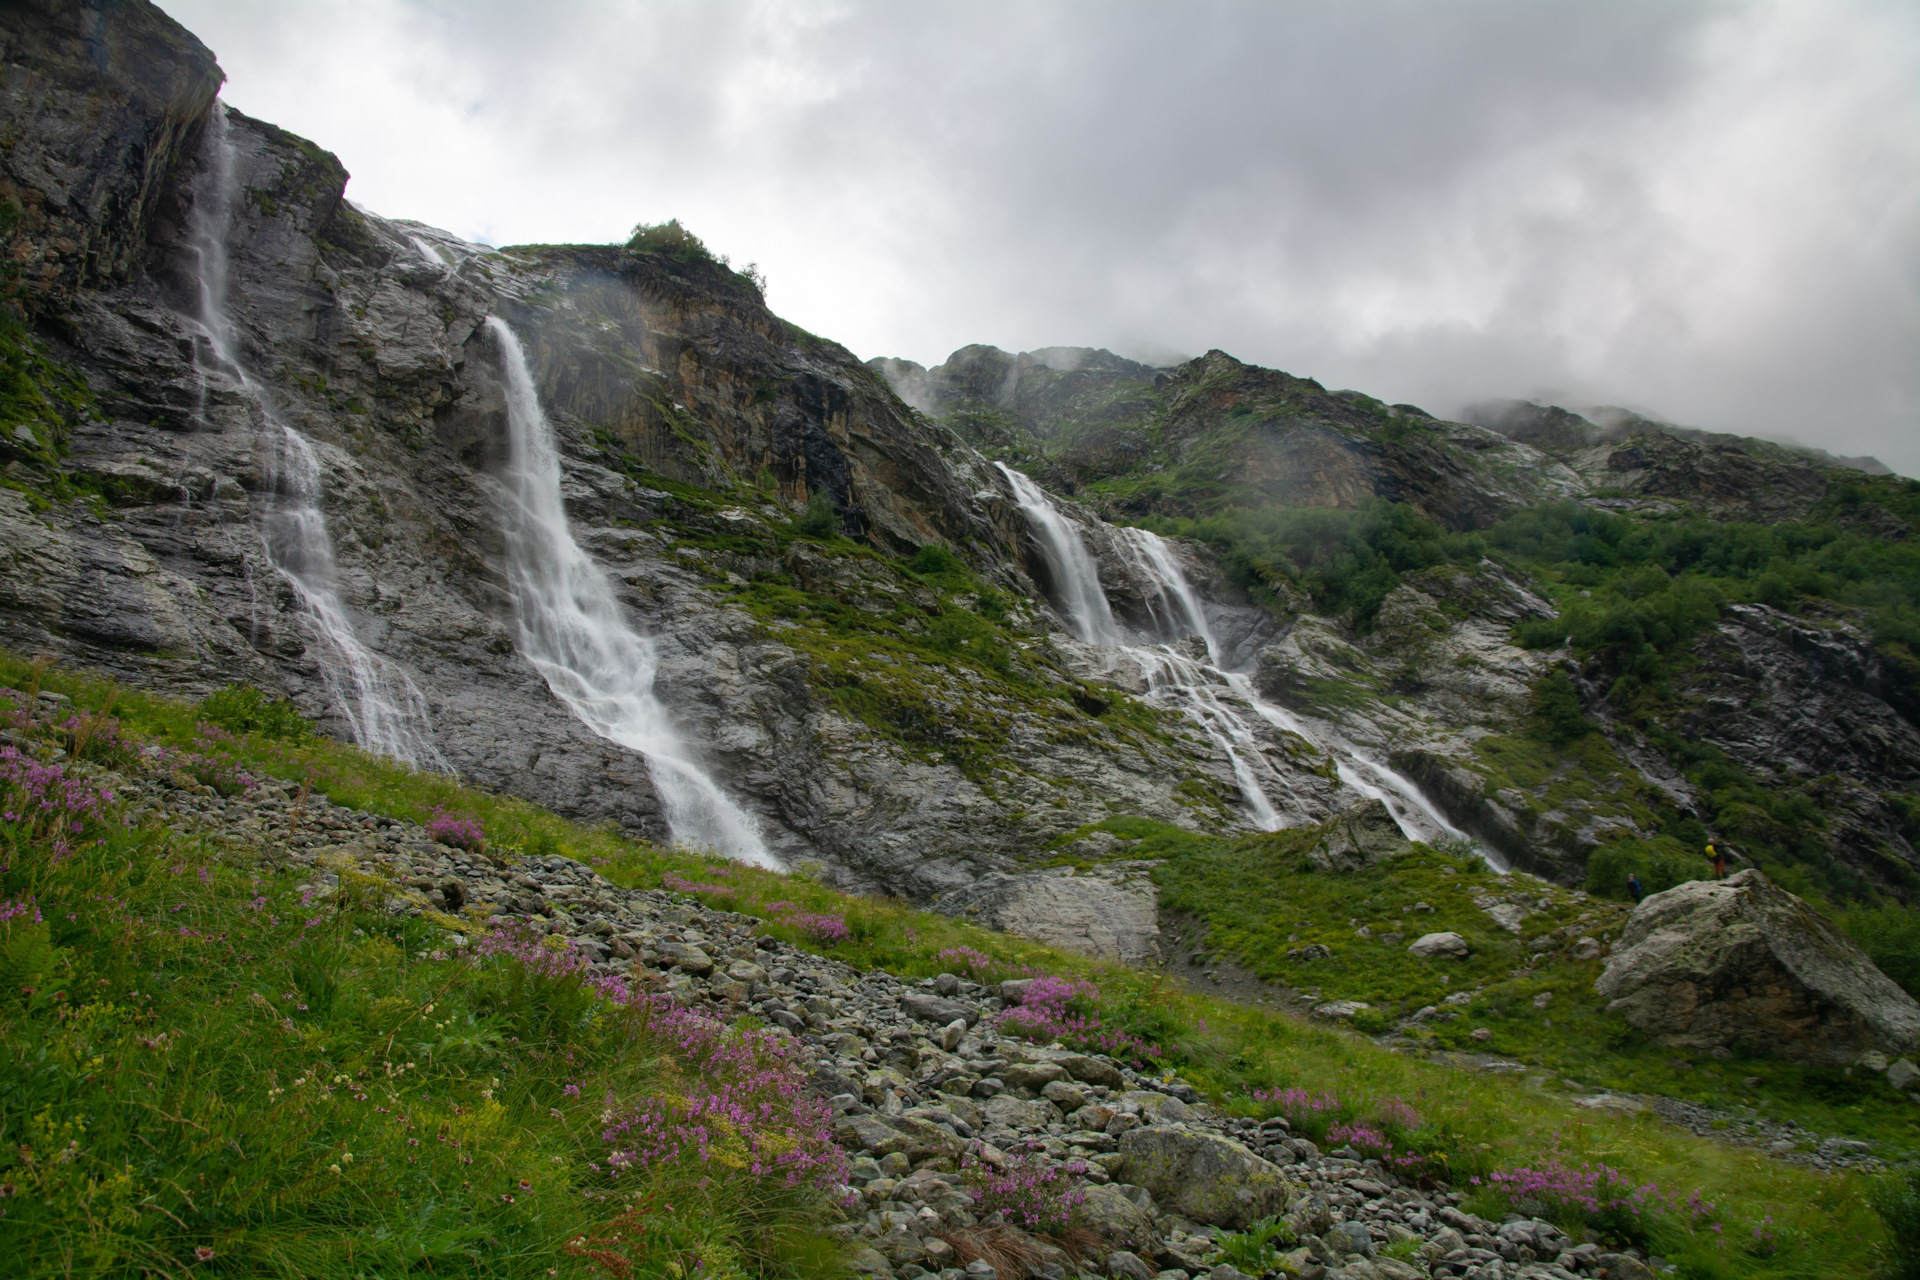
{"x": 1203, "y": 1176}
{"x": 1358, "y": 838}
{"x": 1740, "y": 961}
{"x": 1110, "y": 913}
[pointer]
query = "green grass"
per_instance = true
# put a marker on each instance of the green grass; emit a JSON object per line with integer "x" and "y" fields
{"x": 282, "y": 1211}
{"x": 1261, "y": 899}
{"x": 202, "y": 1072}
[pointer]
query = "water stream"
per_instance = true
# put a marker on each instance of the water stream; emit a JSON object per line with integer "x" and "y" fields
{"x": 384, "y": 710}
{"x": 1217, "y": 700}
{"x": 573, "y": 630}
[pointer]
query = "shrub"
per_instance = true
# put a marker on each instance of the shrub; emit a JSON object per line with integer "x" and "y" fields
{"x": 1069, "y": 1010}
{"x": 1661, "y": 863}
{"x": 456, "y": 831}
{"x": 1558, "y": 717}
{"x": 821, "y": 519}
{"x": 1595, "y": 1196}
{"x": 932, "y": 560}
{"x": 1255, "y": 1250}
{"x": 1896, "y": 1198}
{"x": 241, "y": 708}
{"x": 669, "y": 239}
{"x": 1890, "y": 935}
{"x": 1027, "y": 1192}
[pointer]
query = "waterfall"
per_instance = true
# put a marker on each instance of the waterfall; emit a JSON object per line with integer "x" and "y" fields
{"x": 574, "y": 632}
{"x": 384, "y": 710}
{"x": 1192, "y": 687}
{"x": 1076, "y": 582}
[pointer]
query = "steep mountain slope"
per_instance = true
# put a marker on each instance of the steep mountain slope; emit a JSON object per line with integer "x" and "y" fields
{"x": 259, "y": 434}
{"x": 1741, "y": 613}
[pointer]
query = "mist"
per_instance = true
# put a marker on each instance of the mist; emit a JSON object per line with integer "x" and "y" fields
{"x": 1704, "y": 212}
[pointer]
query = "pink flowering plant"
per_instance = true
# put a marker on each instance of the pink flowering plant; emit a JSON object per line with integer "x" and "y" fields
{"x": 1598, "y": 1197}
{"x": 1072, "y": 1012}
{"x": 456, "y": 831}
{"x": 1026, "y": 1192}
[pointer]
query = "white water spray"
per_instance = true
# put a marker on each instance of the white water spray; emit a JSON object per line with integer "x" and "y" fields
{"x": 574, "y": 632}
{"x": 384, "y": 711}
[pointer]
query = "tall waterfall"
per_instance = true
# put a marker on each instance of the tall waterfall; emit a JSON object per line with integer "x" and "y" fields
{"x": 1195, "y": 688}
{"x": 574, "y": 632}
{"x": 383, "y": 708}
{"x": 1076, "y": 582}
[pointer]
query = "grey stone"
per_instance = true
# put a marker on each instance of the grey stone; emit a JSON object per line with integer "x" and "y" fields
{"x": 1358, "y": 838}
{"x": 1203, "y": 1176}
{"x": 1448, "y": 946}
{"x": 1714, "y": 964}
{"x": 1110, "y": 913}
{"x": 937, "y": 1009}
{"x": 1123, "y": 1265}
{"x": 1109, "y": 1214}
{"x": 1901, "y": 1074}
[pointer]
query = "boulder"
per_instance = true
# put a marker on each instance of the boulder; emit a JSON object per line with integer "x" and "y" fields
{"x": 1358, "y": 838}
{"x": 1157, "y": 1107}
{"x": 1203, "y": 1176}
{"x": 1438, "y": 946}
{"x": 1110, "y": 913}
{"x": 1714, "y": 964}
{"x": 937, "y": 1009}
{"x": 1109, "y": 1214}
{"x": 1010, "y": 1112}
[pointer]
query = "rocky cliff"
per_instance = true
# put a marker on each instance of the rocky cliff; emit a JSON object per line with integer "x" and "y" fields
{"x": 260, "y": 434}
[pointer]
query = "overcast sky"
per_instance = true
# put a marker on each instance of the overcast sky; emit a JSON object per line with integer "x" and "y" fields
{"x": 1709, "y": 212}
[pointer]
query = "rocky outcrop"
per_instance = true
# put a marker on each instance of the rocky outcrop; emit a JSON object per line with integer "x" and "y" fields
{"x": 1109, "y": 913}
{"x": 103, "y": 103}
{"x": 1742, "y": 962}
{"x": 1358, "y": 839}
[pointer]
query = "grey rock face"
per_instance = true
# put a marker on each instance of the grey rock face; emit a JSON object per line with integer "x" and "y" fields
{"x": 1741, "y": 961}
{"x": 1111, "y": 913}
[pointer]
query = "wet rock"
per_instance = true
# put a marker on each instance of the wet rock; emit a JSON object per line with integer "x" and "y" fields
{"x": 1711, "y": 965}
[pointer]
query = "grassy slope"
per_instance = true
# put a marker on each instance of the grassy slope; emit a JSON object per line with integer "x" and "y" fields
{"x": 1262, "y": 899}
{"x": 210, "y": 1085}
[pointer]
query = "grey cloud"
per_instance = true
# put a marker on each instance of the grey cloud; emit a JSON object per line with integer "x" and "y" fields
{"x": 1702, "y": 210}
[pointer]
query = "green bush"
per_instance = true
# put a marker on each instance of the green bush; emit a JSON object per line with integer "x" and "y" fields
{"x": 1557, "y": 714}
{"x": 241, "y": 708}
{"x": 1661, "y": 863}
{"x": 1890, "y": 935}
{"x": 669, "y": 239}
{"x": 933, "y": 560}
{"x": 821, "y": 519}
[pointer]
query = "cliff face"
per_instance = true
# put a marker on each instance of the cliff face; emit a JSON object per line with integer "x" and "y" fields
{"x": 692, "y": 422}
{"x": 897, "y": 684}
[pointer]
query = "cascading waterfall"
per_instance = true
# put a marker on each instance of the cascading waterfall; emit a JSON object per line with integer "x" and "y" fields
{"x": 574, "y": 632}
{"x": 384, "y": 710}
{"x": 1191, "y": 686}
{"x": 1173, "y": 680}
{"x": 1082, "y": 602}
